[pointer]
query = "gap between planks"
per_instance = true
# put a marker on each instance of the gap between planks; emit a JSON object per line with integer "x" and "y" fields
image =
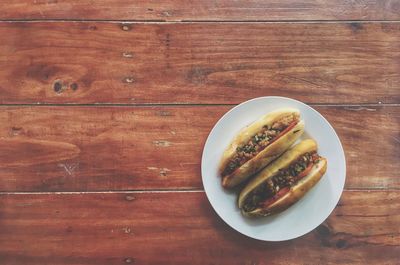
{"x": 162, "y": 191}
{"x": 187, "y": 104}
{"x": 156, "y": 21}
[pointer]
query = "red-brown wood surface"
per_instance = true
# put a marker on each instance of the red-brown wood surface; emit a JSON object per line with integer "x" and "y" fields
{"x": 89, "y": 62}
{"x": 118, "y": 148}
{"x": 182, "y": 228}
{"x": 178, "y": 10}
{"x": 105, "y": 174}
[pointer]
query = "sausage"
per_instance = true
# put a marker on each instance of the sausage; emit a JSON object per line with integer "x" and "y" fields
{"x": 259, "y": 144}
{"x": 292, "y": 176}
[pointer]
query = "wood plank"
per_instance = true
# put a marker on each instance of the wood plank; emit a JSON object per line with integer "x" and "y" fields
{"x": 182, "y": 228}
{"x": 88, "y": 62}
{"x": 202, "y": 10}
{"x": 120, "y": 148}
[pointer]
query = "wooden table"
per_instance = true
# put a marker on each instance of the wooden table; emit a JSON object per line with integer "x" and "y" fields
{"x": 106, "y": 105}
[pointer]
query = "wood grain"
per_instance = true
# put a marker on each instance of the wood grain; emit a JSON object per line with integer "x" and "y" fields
{"x": 179, "y": 10}
{"x": 182, "y": 228}
{"x": 88, "y": 62}
{"x": 120, "y": 148}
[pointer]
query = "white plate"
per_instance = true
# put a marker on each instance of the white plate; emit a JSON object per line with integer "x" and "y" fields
{"x": 307, "y": 213}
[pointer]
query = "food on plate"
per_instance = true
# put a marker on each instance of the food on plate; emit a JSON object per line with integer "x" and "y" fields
{"x": 258, "y": 144}
{"x": 283, "y": 182}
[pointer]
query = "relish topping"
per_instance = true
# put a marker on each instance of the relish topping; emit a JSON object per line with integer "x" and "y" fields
{"x": 258, "y": 142}
{"x": 272, "y": 189}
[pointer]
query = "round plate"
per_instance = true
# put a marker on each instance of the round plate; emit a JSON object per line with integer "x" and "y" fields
{"x": 307, "y": 213}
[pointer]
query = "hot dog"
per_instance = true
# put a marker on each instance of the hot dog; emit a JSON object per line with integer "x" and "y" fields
{"x": 283, "y": 182}
{"x": 258, "y": 144}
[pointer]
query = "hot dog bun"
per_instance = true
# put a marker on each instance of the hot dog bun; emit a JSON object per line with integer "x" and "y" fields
{"x": 268, "y": 154}
{"x": 296, "y": 192}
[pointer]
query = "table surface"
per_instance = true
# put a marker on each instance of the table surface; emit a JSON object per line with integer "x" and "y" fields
{"x": 105, "y": 107}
